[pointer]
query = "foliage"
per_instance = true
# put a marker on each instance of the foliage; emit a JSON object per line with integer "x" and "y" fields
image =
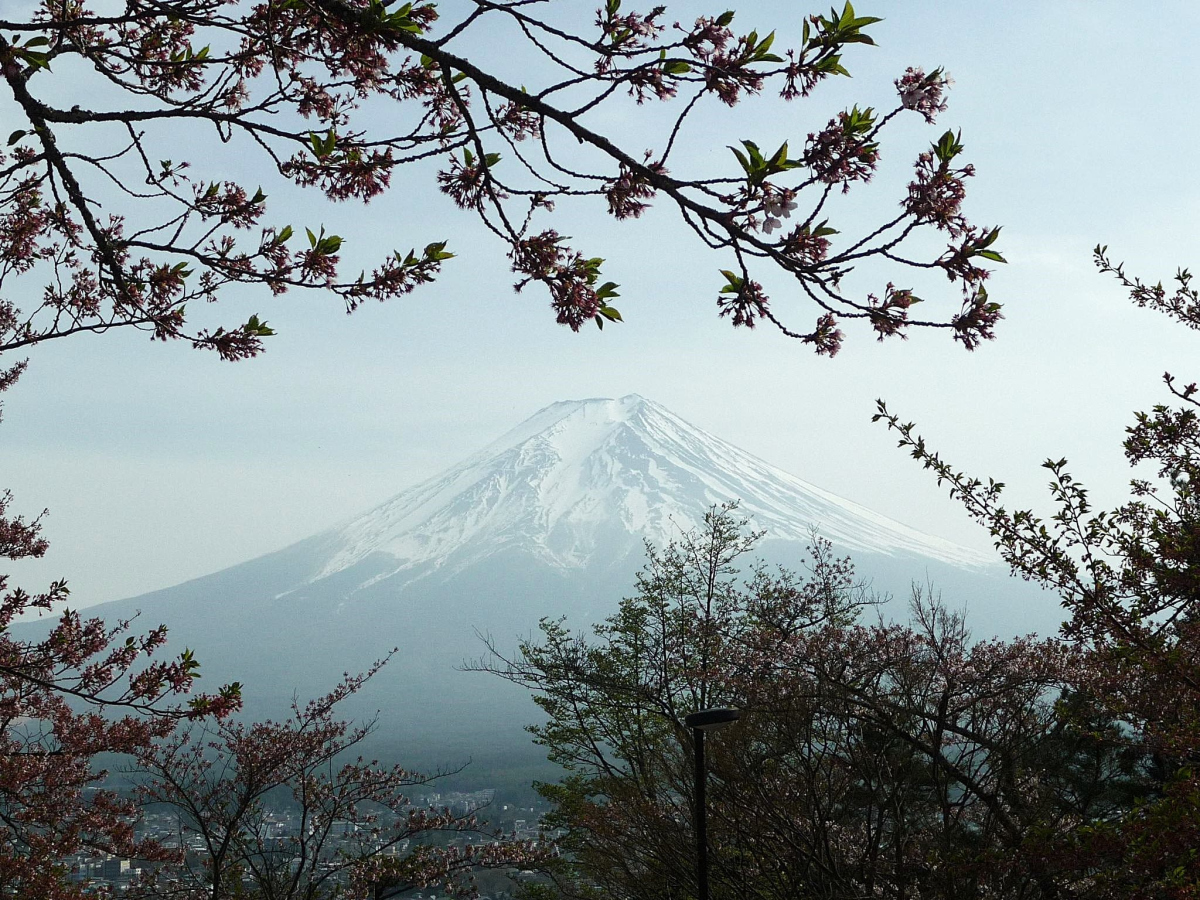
{"x": 1130, "y": 579}
{"x": 870, "y": 760}
{"x": 337, "y": 95}
{"x": 85, "y": 689}
{"x": 353, "y": 819}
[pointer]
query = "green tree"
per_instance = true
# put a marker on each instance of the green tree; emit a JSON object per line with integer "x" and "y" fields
{"x": 1130, "y": 580}
{"x": 870, "y": 760}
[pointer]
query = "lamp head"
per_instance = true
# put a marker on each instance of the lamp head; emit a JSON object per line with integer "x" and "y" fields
{"x": 710, "y": 719}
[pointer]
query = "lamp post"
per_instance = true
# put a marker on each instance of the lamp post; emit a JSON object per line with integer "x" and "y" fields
{"x": 699, "y": 723}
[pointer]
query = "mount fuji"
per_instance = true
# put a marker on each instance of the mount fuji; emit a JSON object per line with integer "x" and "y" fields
{"x": 548, "y": 520}
{"x": 583, "y": 476}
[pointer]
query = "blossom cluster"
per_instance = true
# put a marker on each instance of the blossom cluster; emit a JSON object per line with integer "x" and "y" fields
{"x": 777, "y": 205}
{"x": 807, "y": 245}
{"x": 889, "y": 316}
{"x": 745, "y": 306}
{"x": 725, "y": 58}
{"x": 936, "y": 195}
{"x": 843, "y": 152}
{"x": 923, "y": 93}
{"x": 570, "y": 277}
{"x": 629, "y": 192}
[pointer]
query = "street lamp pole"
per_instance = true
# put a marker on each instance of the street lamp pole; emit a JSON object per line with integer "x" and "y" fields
{"x": 701, "y": 817}
{"x": 699, "y": 723}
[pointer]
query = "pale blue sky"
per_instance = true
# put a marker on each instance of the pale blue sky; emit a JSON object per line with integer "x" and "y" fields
{"x": 161, "y": 464}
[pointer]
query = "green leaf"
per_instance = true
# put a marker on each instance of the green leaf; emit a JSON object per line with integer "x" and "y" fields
{"x": 948, "y": 146}
{"x": 36, "y": 58}
{"x": 833, "y": 66}
{"x": 323, "y": 145}
{"x": 16, "y": 136}
{"x": 259, "y": 328}
{"x": 734, "y": 285}
{"x": 741, "y": 158}
{"x": 284, "y": 235}
{"x": 610, "y": 313}
{"x": 756, "y": 157}
{"x": 725, "y": 18}
{"x": 312, "y": 238}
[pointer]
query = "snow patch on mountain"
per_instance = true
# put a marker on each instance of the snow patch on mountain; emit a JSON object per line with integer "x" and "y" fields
{"x": 580, "y": 475}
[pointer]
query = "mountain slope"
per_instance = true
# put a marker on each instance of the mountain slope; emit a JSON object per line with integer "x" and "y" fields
{"x": 549, "y": 520}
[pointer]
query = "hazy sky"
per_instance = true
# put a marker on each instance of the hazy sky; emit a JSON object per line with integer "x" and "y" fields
{"x": 160, "y": 464}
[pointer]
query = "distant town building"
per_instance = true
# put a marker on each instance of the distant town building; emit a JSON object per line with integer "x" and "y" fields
{"x": 114, "y": 868}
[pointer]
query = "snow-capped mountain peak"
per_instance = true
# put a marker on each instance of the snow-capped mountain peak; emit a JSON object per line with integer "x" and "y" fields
{"x": 584, "y": 477}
